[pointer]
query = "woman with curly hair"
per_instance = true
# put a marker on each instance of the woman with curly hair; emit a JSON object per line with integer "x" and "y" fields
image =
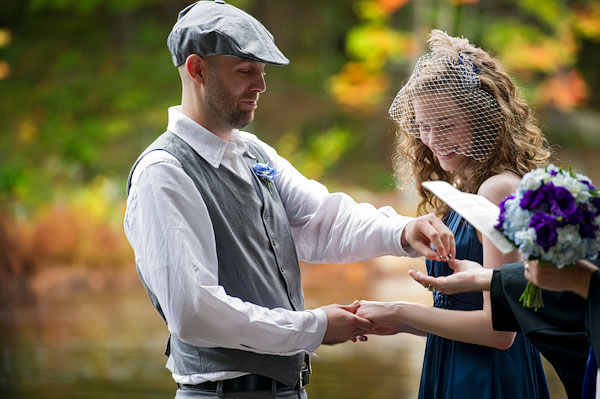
{"x": 461, "y": 119}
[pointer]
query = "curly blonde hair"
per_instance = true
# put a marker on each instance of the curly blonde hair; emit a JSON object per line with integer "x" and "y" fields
{"x": 519, "y": 145}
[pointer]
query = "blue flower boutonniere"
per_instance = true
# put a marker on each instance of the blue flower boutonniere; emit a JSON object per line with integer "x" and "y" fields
{"x": 265, "y": 172}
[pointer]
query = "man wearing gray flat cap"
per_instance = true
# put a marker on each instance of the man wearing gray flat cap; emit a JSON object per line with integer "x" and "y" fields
{"x": 218, "y": 220}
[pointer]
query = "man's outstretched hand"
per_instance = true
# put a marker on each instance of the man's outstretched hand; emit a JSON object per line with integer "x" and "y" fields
{"x": 343, "y": 324}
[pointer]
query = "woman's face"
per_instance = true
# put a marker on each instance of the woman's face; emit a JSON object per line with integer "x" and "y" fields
{"x": 444, "y": 129}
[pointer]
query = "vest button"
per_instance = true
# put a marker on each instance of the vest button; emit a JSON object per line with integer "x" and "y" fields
{"x": 266, "y": 217}
{"x": 274, "y": 242}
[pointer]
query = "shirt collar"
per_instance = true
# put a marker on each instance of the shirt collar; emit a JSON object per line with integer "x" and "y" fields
{"x": 208, "y": 145}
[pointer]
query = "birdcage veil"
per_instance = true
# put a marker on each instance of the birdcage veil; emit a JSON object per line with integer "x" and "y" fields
{"x": 444, "y": 105}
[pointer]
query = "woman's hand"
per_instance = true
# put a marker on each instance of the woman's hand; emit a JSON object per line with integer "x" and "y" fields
{"x": 385, "y": 317}
{"x": 467, "y": 276}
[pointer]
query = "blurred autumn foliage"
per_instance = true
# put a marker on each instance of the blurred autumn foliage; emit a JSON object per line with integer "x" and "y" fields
{"x": 85, "y": 84}
{"x": 539, "y": 41}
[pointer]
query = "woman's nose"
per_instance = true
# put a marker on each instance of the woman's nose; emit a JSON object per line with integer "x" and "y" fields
{"x": 435, "y": 137}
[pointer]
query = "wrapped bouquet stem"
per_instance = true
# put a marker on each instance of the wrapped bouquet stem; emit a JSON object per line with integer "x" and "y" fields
{"x": 554, "y": 217}
{"x": 531, "y": 297}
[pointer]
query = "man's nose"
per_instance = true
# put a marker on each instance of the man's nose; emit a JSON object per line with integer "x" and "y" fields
{"x": 259, "y": 84}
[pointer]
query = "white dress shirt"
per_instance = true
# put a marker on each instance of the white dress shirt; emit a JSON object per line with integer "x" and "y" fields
{"x": 168, "y": 225}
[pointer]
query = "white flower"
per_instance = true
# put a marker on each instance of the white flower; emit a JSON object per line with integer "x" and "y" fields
{"x": 525, "y": 240}
{"x": 553, "y": 168}
{"x": 592, "y": 246}
{"x": 568, "y": 236}
{"x": 568, "y": 248}
{"x": 533, "y": 180}
{"x": 581, "y": 177}
{"x": 516, "y": 218}
{"x": 584, "y": 193}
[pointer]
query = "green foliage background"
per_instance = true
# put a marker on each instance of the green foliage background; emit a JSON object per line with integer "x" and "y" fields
{"x": 87, "y": 83}
{"x": 85, "y": 86}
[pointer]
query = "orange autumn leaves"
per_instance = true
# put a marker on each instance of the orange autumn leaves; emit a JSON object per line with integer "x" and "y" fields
{"x": 390, "y": 6}
{"x": 357, "y": 87}
{"x": 362, "y": 83}
{"x": 563, "y": 91}
{"x": 542, "y": 56}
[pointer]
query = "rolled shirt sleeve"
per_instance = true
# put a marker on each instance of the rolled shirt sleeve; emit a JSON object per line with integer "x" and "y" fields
{"x": 332, "y": 227}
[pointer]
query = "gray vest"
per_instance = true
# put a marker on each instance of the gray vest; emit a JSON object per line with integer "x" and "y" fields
{"x": 256, "y": 255}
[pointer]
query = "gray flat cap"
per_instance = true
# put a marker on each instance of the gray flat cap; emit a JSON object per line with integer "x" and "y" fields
{"x": 216, "y": 28}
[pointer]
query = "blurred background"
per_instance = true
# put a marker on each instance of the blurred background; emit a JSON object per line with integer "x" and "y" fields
{"x": 84, "y": 88}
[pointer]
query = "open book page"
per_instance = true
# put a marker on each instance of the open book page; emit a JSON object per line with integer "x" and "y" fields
{"x": 476, "y": 209}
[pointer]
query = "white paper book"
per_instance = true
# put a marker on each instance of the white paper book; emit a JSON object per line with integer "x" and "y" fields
{"x": 476, "y": 209}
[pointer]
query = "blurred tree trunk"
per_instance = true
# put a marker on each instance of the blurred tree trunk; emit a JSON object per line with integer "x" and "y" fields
{"x": 15, "y": 267}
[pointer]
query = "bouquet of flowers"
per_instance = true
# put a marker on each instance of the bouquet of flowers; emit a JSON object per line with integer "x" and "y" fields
{"x": 554, "y": 216}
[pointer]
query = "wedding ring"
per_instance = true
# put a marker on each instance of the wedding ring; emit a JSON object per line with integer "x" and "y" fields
{"x": 447, "y": 258}
{"x": 430, "y": 287}
{"x": 526, "y": 265}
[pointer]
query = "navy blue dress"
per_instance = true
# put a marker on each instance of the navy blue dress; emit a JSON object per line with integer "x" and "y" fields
{"x": 455, "y": 370}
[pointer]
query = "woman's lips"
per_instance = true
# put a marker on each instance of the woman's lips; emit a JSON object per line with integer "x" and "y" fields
{"x": 445, "y": 155}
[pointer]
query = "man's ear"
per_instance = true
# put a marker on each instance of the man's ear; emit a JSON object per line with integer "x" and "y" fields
{"x": 196, "y": 68}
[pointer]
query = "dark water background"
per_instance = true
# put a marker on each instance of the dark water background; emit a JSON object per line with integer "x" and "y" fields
{"x": 110, "y": 345}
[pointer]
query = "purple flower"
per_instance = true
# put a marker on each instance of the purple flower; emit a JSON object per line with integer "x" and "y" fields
{"x": 596, "y": 202}
{"x": 533, "y": 198}
{"x": 562, "y": 202}
{"x": 576, "y": 217}
{"x": 502, "y": 207}
{"x": 588, "y": 228}
{"x": 545, "y": 229}
{"x": 587, "y": 183}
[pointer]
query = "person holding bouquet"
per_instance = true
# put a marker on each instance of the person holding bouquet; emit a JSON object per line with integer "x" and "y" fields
{"x": 553, "y": 217}
{"x": 462, "y": 120}
{"x": 560, "y": 329}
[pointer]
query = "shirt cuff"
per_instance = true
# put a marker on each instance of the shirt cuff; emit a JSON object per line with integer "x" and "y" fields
{"x": 393, "y": 238}
{"x": 321, "y": 317}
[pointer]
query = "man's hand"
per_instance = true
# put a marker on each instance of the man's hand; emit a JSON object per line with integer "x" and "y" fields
{"x": 468, "y": 276}
{"x": 343, "y": 324}
{"x": 574, "y": 278}
{"x": 429, "y": 231}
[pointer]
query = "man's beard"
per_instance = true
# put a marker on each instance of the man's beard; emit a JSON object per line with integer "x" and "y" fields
{"x": 223, "y": 105}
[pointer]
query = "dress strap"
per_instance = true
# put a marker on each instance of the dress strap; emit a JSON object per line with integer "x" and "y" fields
{"x": 515, "y": 172}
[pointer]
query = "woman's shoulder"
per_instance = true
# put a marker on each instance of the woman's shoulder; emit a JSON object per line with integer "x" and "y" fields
{"x": 497, "y": 187}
